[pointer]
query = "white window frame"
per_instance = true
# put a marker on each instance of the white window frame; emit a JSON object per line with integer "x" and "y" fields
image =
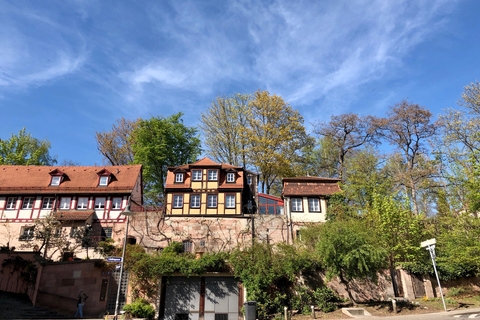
{"x": 297, "y": 206}
{"x": 195, "y": 204}
{"x": 11, "y": 203}
{"x": 314, "y": 205}
{"x": 47, "y": 203}
{"x": 117, "y": 203}
{"x": 100, "y": 203}
{"x": 212, "y": 175}
{"x": 187, "y": 246}
{"x": 27, "y": 233}
{"x": 103, "y": 181}
{"x": 177, "y": 201}
{"x": 230, "y": 176}
{"x": 179, "y": 177}
{"x": 28, "y": 202}
{"x": 212, "y": 201}
{"x": 56, "y": 180}
{"x": 196, "y": 175}
{"x": 82, "y": 203}
{"x": 65, "y": 203}
{"x": 230, "y": 201}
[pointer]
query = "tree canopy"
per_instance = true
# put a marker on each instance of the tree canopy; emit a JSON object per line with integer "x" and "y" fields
{"x": 159, "y": 143}
{"x": 116, "y": 145}
{"x": 23, "y": 149}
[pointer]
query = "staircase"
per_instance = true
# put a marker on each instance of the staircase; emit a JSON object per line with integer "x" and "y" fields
{"x": 18, "y": 306}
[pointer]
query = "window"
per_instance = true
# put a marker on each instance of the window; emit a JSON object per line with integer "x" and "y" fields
{"x": 212, "y": 201}
{"x": 178, "y": 201}
{"x": 249, "y": 180}
{"x": 178, "y": 177}
{"x": 297, "y": 204}
{"x": 314, "y": 205}
{"x": 27, "y": 233}
{"x": 99, "y": 203}
{"x": 230, "y": 201}
{"x": 187, "y": 246}
{"x": 197, "y": 175}
{"x": 106, "y": 233}
{"x": 82, "y": 203}
{"x": 231, "y": 177}
{"x": 28, "y": 203}
{"x": 117, "y": 203}
{"x": 269, "y": 206}
{"x": 103, "y": 181}
{"x": 11, "y": 203}
{"x": 56, "y": 181}
{"x": 195, "y": 201}
{"x": 212, "y": 175}
{"x": 74, "y": 232}
{"x": 47, "y": 203}
{"x": 65, "y": 203}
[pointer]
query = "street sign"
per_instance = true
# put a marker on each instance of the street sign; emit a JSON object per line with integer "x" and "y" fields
{"x": 114, "y": 259}
{"x": 428, "y": 242}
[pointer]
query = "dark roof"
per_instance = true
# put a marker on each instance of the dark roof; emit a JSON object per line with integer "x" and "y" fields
{"x": 310, "y": 186}
{"x": 73, "y": 215}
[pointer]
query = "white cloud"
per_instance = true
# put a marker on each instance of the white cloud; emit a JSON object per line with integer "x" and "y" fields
{"x": 36, "y": 49}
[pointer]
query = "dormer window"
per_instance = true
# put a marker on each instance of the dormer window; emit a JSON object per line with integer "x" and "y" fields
{"x": 179, "y": 177}
{"x": 57, "y": 177}
{"x": 56, "y": 181}
{"x": 103, "y": 181}
{"x": 104, "y": 177}
{"x": 197, "y": 175}
{"x": 249, "y": 180}
{"x": 231, "y": 177}
{"x": 212, "y": 175}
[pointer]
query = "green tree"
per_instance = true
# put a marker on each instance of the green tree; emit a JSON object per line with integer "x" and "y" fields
{"x": 399, "y": 230}
{"x": 459, "y": 149}
{"x": 23, "y": 149}
{"x": 159, "y": 143}
{"x": 116, "y": 145}
{"x": 366, "y": 174}
{"x": 458, "y": 245}
{"x": 222, "y": 125}
{"x": 275, "y": 136}
{"x": 350, "y": 250}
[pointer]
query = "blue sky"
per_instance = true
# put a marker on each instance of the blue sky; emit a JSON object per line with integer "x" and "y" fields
{"x": 69, "y": 68}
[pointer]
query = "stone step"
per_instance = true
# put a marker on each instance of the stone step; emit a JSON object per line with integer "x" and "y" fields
{"x": 18, "y": 306}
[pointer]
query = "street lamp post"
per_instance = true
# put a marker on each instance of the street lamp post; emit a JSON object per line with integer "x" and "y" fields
{"x": 430, "y": 246}
{"x": 126, "y": 213}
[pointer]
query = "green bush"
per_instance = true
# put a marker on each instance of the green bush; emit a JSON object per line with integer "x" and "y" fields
{"x": 140, "y": 308}
{"x": 455, "y": 292}
{"x": 324, "y": 298}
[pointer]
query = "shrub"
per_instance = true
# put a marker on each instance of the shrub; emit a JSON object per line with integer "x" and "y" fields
{"x": 455, "y": 292}
{"x": 324, "y": 298}
{"x": 140, "y": 308}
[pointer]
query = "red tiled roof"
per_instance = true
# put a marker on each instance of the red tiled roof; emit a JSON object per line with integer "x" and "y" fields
{"x": 310, "y": 186}
{"x": 205, "y": 162}
{"x": 73, "y": 215}
{"x": 308, "y": 178}
{"x": 36, "y": 179}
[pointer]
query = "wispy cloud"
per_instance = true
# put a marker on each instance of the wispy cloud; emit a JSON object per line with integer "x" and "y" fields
{"x": 35, "y": 48}
{"x": 306, "y": 51}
